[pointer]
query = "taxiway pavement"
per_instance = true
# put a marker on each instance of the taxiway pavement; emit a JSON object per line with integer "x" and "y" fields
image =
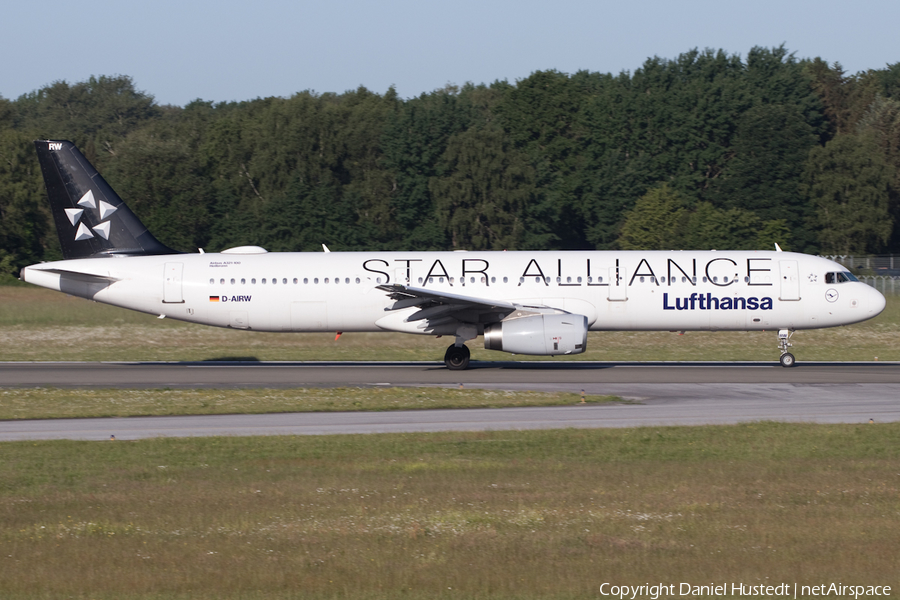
{"x": 661, "y": 394}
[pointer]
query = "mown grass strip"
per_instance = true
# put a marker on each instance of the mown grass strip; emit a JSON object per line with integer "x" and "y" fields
{"x": 53, "y": 403}
{"x": 531, "y": 514}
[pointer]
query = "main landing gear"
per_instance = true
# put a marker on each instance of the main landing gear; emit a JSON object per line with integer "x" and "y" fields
{"x": 457, "y": 358}
{"x": 784, "y": 342}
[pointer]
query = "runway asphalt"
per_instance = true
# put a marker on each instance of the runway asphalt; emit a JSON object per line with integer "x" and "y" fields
{"x": 326, "y": 374}
{"x": 662, "y": 394}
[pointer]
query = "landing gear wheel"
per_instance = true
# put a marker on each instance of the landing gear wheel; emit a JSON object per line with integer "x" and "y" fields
{"x": 784, "y": 342}
{"x": 457, "y": 358}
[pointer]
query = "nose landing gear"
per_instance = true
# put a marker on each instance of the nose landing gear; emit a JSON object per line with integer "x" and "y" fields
{"x": 784, "y": 342}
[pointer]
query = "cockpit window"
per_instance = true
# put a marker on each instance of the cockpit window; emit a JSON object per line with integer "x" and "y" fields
{"x": 840, "y": 277}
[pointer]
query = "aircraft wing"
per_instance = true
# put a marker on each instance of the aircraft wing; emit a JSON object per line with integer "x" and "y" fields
{"x": 436, "y": 307}
{"x": 413, "y": 296}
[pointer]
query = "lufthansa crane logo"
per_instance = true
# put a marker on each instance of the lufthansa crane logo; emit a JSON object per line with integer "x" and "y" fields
{"x": 831, "y": 295}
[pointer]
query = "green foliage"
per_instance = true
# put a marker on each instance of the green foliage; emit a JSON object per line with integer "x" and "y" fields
{"x": 850, "y": 186}
{"x": 23, "y": 214}
{"x": 96, "y": 114}
{"x": 553, "y": 161}
{"x": 656, "y": 220}
{"x": 661, "y": 220}
{"x": 770, "y": 148}
{"x": 486, "y": 190}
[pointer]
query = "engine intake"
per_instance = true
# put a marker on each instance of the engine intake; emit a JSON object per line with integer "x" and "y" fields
{"x": 543, "y": 335}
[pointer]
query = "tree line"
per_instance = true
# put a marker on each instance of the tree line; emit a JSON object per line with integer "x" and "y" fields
{"x": 707, "y": 150}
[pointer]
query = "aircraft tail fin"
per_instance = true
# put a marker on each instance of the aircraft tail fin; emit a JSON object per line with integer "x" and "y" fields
{"x": 90, "y": 218}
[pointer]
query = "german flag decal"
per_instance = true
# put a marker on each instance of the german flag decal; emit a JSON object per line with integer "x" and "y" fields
{"x": 213, "y": 298}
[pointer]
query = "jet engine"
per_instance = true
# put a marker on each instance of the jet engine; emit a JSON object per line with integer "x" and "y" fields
{"x": 541, "y": 334}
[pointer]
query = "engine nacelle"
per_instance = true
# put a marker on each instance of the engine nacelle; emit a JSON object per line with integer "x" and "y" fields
{"x": 544, "y": 334}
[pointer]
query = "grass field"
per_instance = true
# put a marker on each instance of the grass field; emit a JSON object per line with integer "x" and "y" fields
{"x": 51, "y": 403}
{"x": 538, "y": 514}
{"x": 39, "y": 324}
{"x": 532, "y": 514}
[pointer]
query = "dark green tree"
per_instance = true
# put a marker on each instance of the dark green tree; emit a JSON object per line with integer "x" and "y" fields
{"x": 656, "y": 222}
{"x": 24, "y": 222}
{"x": 96, "y": 114}
{"x": 849, "y": 185}
{"x": 482, "y": 198}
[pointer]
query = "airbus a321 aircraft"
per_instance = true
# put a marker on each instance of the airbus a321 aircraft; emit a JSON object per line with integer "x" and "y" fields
{"x": 540, "y": 303}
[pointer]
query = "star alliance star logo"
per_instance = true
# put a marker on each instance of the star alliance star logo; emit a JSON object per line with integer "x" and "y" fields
{"x": 813, "y": 278}
{"x": 84, "y": 232}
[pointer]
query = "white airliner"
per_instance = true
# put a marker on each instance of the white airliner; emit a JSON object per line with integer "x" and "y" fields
{"x": 540, "y": 303}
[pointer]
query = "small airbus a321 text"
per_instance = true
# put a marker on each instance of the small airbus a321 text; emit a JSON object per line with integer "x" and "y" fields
{"x": 539, "y": 303}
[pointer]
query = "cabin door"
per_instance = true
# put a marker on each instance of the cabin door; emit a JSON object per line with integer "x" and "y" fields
{"x": 172, "y": 284}
{"x": 790, "y": 280}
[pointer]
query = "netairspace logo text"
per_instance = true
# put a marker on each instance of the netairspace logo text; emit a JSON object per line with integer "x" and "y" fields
{"x": 784, "y": 590}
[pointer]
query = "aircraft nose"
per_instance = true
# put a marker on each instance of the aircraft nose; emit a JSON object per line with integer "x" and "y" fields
{"x": 875, "y": 302}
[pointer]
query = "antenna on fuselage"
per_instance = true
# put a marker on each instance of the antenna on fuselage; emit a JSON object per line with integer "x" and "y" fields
{"x": 325, "y": 248}
{"x": 778, "y": 248}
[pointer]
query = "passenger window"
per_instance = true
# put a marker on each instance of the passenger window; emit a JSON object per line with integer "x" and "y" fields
{"x": 315, "y": 280}
{"x": 346, "y": 280}
{"x": 295, "y": 280}
{"x": 357, "y": 280}
{"x": 253, "y": 281}
{"x": 243, "y": 281}
{"x": 505, "y": 280}
{"x": 221, "y": 282}
{"x": 232, "y": 281}
{"x": 263, "y": 281}
{"x": 212, "y": 281}
{"x": 326, "y": 280}
{"x": 284, "y": 281}
{"x": 305, "y": 280}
